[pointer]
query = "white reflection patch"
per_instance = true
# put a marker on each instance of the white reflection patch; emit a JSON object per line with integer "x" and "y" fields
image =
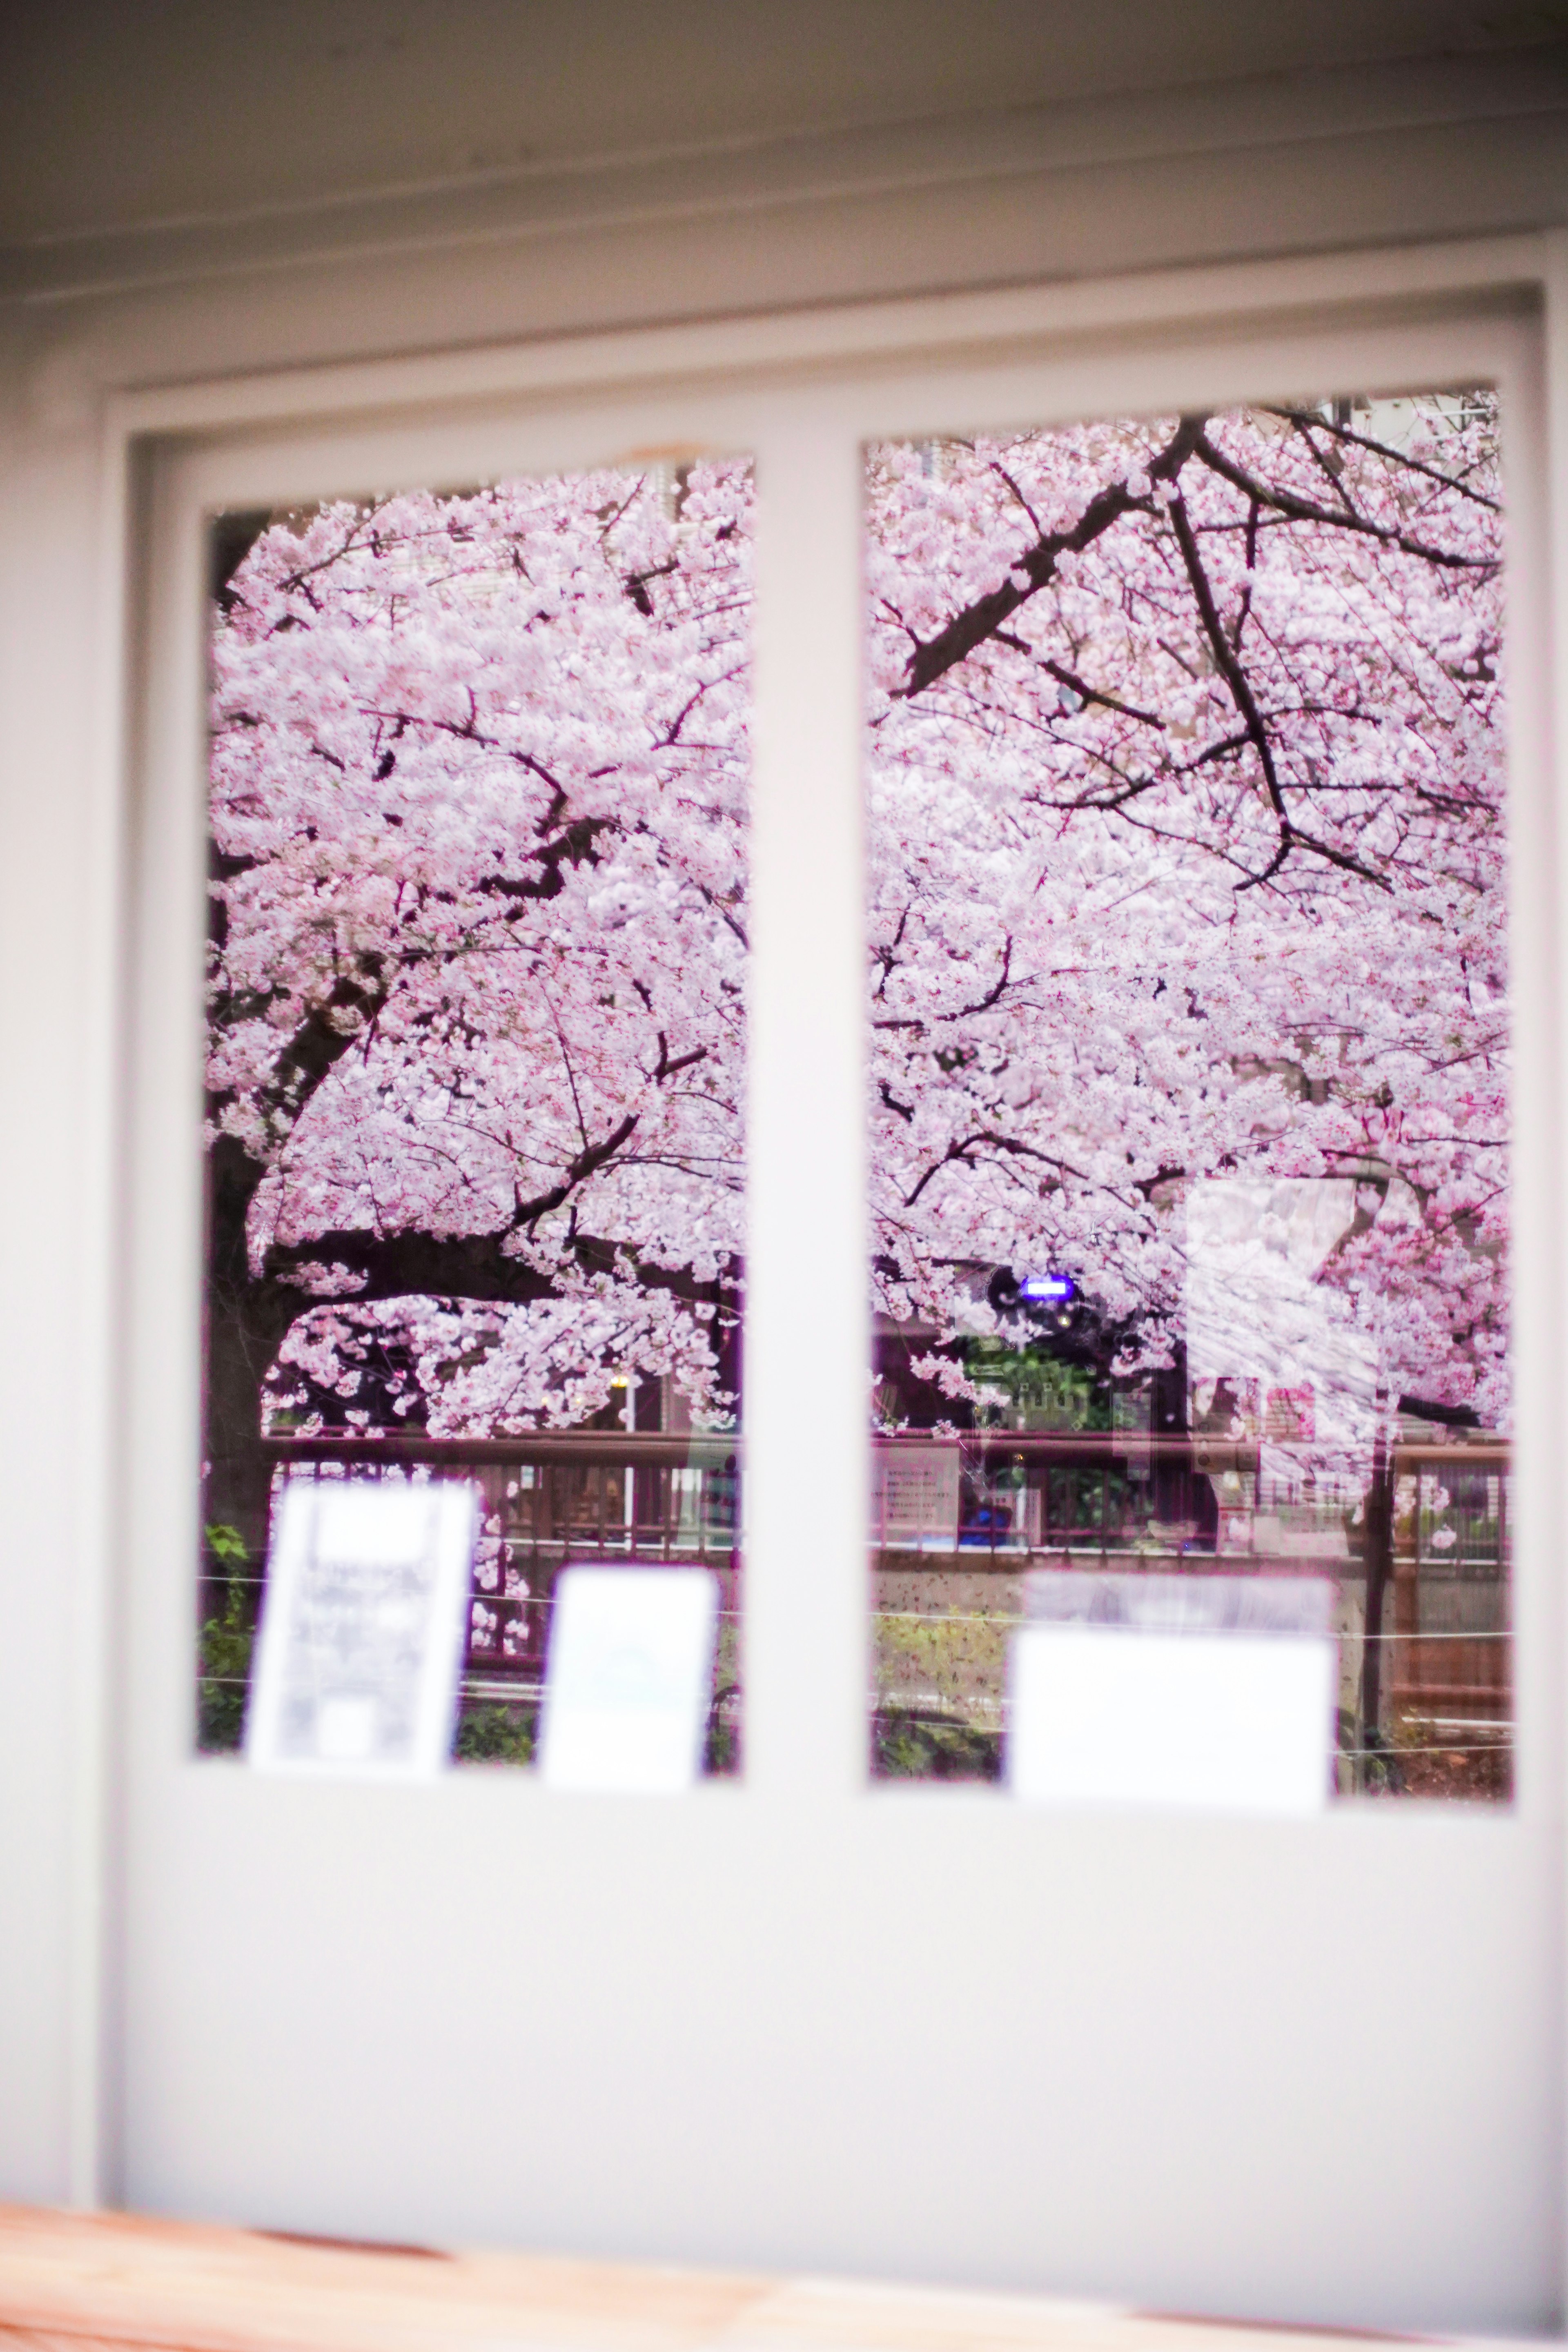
{"x": 1204, "y": 1693}
{"x": 630, "y": 1671}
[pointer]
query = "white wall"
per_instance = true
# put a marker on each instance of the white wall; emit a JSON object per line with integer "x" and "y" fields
{"x": 48, "y": 551}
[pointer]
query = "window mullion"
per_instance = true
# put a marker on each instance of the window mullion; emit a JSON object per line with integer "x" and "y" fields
{"x": 806, "y": 1299}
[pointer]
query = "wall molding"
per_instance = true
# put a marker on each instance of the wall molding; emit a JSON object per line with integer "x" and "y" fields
{"x": 765, "y": 177}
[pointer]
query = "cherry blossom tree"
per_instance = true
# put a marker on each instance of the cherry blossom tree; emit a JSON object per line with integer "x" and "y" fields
{"x": 477, "y": 970}
{"x": 1188, "y": 863}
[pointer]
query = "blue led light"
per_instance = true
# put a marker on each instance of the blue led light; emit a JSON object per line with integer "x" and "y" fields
{"x": 1046, "y": 1285}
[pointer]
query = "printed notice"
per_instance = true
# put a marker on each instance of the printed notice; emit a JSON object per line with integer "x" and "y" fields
{"x": 630, "y": 1678}
{"x": 363, "y": 1628}
{"x": 915, "y": 1496}
{"x": 1205, "y": 1693}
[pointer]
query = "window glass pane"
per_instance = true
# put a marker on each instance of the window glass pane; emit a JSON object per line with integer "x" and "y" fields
{"x": 1189, "y": 1098}
{"x": 478, "y": 768}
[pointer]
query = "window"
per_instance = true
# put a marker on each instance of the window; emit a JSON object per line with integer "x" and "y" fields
{"x": 476, "y": 1040}
{"x": 1225, "y": 2006}
{"x": 1190, "y": 1070}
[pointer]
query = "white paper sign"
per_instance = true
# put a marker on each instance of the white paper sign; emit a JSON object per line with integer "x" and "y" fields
{"x": 363, "y": 1628}
{"x": 914, "y": 1497}
{"x": 1219, "y": 1722}
{"x": 630, "y": 1678}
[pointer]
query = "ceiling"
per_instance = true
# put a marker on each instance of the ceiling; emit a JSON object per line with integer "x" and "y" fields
{"x": 116, "y": 116}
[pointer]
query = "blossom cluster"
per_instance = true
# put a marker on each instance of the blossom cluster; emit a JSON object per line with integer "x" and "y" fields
{"x": 478, "y": 774}
{"x": 1188, "y": 862}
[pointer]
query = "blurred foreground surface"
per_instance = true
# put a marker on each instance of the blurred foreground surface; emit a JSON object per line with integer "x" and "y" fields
{"x": 117, "y": 2280}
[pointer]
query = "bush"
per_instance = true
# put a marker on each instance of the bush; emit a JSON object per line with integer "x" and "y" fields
{"x": 224, "y": 1659}
{"x": 495, "y": 1735}
{"x": 910, "y": 1746}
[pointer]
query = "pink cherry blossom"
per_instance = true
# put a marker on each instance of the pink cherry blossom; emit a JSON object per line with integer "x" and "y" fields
{"x": 1187, "y": 860}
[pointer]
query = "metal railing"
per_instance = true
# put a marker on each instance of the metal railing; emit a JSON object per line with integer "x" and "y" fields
{"x": 644, "y": 1496}
{"x": 1014, "y": 1500}
{"x": 1422, "y": 1582}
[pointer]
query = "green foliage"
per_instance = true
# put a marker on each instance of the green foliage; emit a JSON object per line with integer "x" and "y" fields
{"x": 1039, "y": 1390}
{"x": 910, "y": 1746}
{"x": 495, "y": 1735}
{"x": 722, "y": 1747}
{"x": 934, "y": 1673}
{"x": 225, "y": 1645}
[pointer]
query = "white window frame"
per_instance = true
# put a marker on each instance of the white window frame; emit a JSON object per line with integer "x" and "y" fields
{"x": 802, "y": 393}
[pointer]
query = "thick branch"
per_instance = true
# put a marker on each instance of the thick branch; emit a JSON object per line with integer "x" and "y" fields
{"x": 669, "y": 1063}
{"x": 1230, "y": 668}
{"x": 582, "y": 1165}
{"x": 935, "y": 657}
{"x": 474, "y": 1267}
{"x": 574, "y": 844}
{"x": 1226, "y": 661}
{"x": 404, "y": 1265}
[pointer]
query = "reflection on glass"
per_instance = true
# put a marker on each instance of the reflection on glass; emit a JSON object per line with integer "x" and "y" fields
{"x": 475, "y": 1037}
{"x": 1190, "y": 1038}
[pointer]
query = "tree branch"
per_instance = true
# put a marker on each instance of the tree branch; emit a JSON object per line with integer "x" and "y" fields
{"x": 408, "y": 1264}
{"x": 574, "y": 844}
{"x": 1309, "y": 421}
{"x": 935, "y": 657}
{"x": 1230, "y": 666}
{"x": 1286, "y": 502}
{"x": 1086, "y": 693}
{"x": 579, "y": 1168}
{"x": 1226, "y": 658}
{"x": 999, "y": 1143}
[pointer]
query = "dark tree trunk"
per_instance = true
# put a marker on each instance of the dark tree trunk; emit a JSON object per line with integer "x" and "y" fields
{"x": 1379, "y": 1544}
{"x": 246, "y": 1321}
{"x": 1168, "y": 1424}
